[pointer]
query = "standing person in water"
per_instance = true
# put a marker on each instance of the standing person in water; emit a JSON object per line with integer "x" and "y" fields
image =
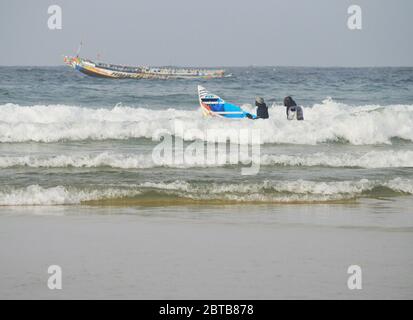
{"x": 288, "y": 104}
{"x": 262, "y": 109}
{"x": 292, "y": 110}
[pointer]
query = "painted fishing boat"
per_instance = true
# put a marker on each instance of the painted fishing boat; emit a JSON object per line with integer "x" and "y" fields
{"x": 212, "y": 105}
{"x": 107, "y": 70}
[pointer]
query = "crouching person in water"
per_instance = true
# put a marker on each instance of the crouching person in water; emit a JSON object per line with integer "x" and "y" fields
{"x": 293, "y": 111}
{"x": 262, "y": 109}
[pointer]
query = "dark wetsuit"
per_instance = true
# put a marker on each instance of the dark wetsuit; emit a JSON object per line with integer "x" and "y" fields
{"x": 289, "y": 103}
{"x": 262, "y": 111}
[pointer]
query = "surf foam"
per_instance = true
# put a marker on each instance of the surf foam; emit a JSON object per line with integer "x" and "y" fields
{"x": 59, "y": 195}
{"x": 328, "y": 121}
{"x": 372, "y": 159}
{"x": 267, "y": 191}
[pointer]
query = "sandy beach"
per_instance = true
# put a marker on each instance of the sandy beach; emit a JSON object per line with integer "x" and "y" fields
{"x": 286, "y": 251}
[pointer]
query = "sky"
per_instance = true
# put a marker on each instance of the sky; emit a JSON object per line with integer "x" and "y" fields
{"x": 209, "y": 33}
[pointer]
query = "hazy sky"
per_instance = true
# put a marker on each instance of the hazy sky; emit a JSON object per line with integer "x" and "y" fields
{"x": 210, "y": 32}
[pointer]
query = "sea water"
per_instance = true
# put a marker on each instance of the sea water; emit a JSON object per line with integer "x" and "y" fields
{"x": 73, "y": 145}
{"x": 67, "y": 138}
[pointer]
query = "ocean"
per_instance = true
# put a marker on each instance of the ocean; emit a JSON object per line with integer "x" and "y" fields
{"x": 79, "y": 184}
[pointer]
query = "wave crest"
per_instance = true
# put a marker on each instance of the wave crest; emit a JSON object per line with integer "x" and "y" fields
{"x": 179, "y": 192}
{"x": 372, "y": 159}
{"x": 328, "y": 121}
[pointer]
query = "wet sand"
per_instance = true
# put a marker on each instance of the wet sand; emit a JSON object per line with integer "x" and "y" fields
{"x": 208, "y": 252}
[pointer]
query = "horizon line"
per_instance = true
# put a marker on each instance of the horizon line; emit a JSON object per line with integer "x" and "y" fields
{"x": 233, "y": 66}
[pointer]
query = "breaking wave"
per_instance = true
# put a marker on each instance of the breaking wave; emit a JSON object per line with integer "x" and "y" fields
{"x": 37, "y": 195}
{"x": 181, "y": 192}
{"x": 372, "y": 159}
{"x": 325, "y": 122}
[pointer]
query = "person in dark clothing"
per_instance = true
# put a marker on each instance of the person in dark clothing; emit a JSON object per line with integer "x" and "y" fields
{"x": 288, "y": 103}
{"x": 292, "y": 110}
{"x": 262, "y": 109}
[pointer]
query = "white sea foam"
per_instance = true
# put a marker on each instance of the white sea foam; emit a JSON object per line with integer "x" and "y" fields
{"x": 372, "y": 159}
{"x": 293, "y": 187}
{"x": 283, "y": 191}
{"x": 328, "y": 121}
{"x": 59, "y": 195}
{"x": 267, "y": 191}
{"x": 104, "y": 159}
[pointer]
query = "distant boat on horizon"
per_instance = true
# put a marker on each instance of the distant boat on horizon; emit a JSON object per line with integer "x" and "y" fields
{"x": 113, "y": 71}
